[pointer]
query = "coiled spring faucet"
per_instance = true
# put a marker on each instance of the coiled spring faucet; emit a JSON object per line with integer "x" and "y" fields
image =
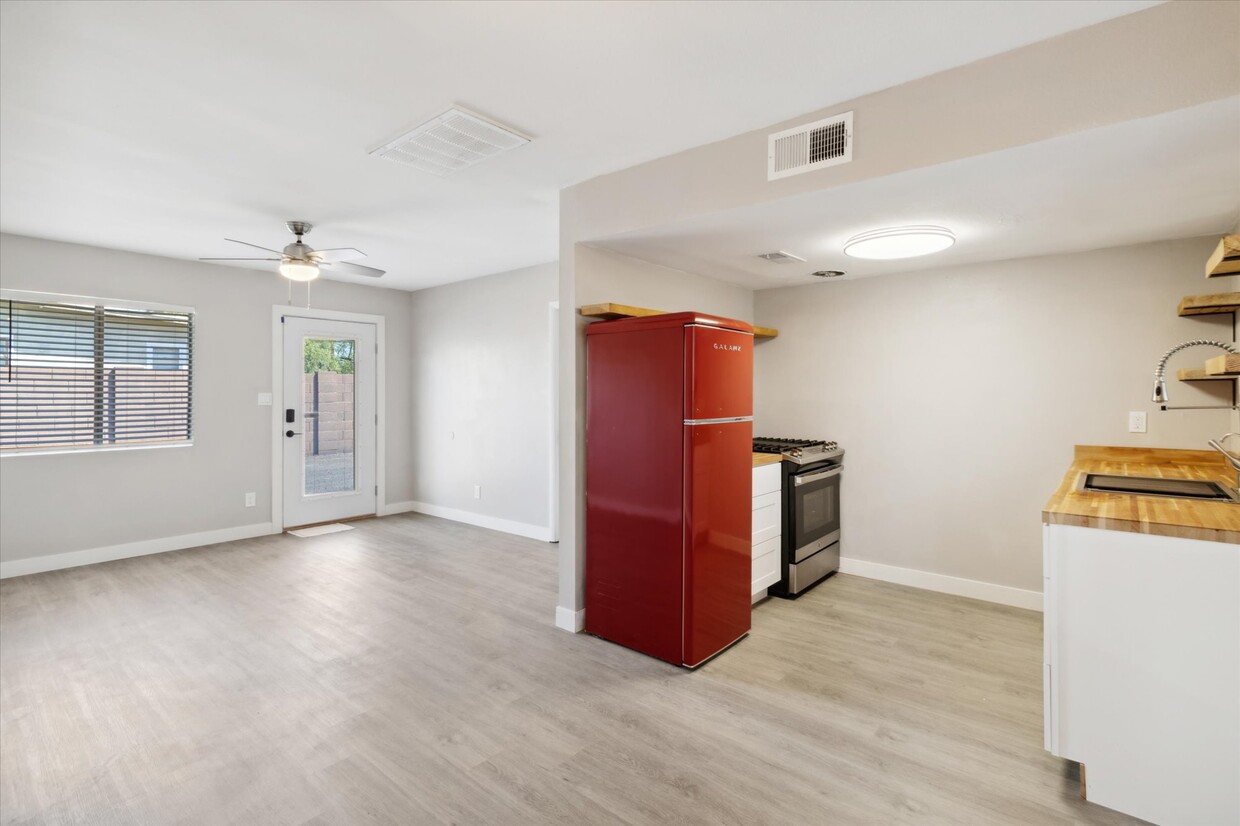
{"x": 1160, "y": 372}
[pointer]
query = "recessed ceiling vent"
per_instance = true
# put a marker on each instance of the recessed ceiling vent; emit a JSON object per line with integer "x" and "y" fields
{"x": 808, "y": 147}
{"x": 781, "y": 257}
{"x": 450, "y": 142}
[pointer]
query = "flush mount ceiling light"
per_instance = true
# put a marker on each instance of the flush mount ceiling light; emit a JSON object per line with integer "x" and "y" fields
{"x": 299, "y": 270}
{"x": 899, "y": 242}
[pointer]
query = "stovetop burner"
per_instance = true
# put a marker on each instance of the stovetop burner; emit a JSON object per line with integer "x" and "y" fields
{"x": 801, "y": 451}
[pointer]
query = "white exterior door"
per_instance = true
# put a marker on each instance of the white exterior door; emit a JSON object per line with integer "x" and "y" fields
{"x": 329, "y": 427}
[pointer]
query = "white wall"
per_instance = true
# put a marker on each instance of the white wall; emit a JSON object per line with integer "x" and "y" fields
{"x": 54, "y": 504}
{"x": 593, "y": 276}
{"x": 959, "y": 394}
{"x": 483, "y": 394}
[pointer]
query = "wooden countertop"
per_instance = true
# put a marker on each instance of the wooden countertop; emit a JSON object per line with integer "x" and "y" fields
{"x": 760, "y": 459}
{"x": 1160, "y": 515}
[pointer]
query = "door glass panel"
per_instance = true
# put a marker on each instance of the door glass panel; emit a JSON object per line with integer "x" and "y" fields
{"x": 328, "y": 429}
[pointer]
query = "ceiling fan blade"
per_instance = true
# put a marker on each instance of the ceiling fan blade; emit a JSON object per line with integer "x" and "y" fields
{"x": 240, "y": 259}
{"x": 340, "y": 254}
{"x": 255, "y": 246}
{"x": 353, "y": 269}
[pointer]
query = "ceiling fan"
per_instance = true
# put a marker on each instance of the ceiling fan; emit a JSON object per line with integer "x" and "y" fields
{"x": 301, "y": 262}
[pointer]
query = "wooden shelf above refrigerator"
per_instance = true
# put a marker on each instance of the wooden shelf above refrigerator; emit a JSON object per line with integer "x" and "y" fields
{"x": 1209, "y": 304}
{"x": 610, "y": 311}
{"x": 1225, "y": 260}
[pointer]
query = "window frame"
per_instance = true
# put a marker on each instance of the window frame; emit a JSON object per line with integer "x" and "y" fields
{"x": 108, "y": 304}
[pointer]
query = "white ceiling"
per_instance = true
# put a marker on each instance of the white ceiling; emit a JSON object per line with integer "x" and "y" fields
{"x": 1174, "y": 175}
{"x": 164, "y": 127}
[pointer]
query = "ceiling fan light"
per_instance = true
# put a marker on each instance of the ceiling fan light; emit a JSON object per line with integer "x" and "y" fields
{"x": 299, "y": 270}
{"x": 899, "y": 242}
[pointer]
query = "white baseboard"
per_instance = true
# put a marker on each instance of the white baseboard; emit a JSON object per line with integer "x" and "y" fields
{"x": 570, "y": 620}
{"x": 396, "y": 507}
{"x": 482, "y": 520}
{"x": 972, "y": 588}
{"x": 73, "y": 559}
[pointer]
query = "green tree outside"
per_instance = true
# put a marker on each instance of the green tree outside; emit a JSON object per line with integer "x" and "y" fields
{"x": 329, "y": 356}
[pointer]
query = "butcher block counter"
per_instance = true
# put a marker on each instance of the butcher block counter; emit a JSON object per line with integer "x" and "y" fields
{"x": 1141, "y": 638}
{"x": 1158, "y": 515}
{"x": 760, "y": 459}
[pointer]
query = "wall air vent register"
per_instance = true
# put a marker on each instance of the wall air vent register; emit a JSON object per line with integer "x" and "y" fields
{"x": 810, "y": 146}
{"x": 450, "y": 142}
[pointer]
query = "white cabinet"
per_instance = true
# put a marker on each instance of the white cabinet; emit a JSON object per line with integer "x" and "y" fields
{"x": 767, "y": 506}
{"x": 1142, "y": 670}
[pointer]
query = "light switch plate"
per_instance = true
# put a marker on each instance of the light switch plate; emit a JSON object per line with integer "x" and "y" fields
{"x": 264, "y": 400}
{"x": 250, "y": 500}
{"x": 1136, "y": 421}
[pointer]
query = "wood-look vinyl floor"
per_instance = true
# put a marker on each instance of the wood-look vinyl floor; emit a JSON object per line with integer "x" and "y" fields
{"x": 408, "y": 672}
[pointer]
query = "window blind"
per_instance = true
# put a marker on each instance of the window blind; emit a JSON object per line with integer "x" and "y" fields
{"x": 77, "y": 374}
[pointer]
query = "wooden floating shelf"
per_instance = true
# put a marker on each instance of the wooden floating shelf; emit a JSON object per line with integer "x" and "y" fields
{"x": 1196, "y": 374}
{"x": 1225, "y": 260}
{"x": 612, "y": 311}
{"x": 1209, "y": 304}
{"x": 1223, "y": 366}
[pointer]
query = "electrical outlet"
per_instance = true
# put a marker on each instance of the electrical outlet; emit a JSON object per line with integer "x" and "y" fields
{"x": 250, "y": 500}
{"x": 1136, "y": 421}
{"x": 477, "y": 491}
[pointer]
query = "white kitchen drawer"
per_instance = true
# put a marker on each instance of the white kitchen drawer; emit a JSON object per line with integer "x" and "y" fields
{"x": 766, "y": 499}
{"x": 766, "y": 523}
{"x": 765, "y": 569}
{"x": 765, "y": 547}
{"x": 767, "y": 479}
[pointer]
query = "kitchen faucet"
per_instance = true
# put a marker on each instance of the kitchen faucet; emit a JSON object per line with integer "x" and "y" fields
{"x": 1160, "y": 382}
{"x": 1232, "y": 458}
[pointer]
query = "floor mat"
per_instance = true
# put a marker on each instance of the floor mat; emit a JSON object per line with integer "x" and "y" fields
{"x": 319, "y": 530}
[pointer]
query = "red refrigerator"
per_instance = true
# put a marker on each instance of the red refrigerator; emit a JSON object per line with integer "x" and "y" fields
{"x": 669, "y": 442}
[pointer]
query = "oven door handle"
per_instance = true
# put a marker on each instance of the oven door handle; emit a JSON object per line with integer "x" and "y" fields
{"x": 814, "y": 477}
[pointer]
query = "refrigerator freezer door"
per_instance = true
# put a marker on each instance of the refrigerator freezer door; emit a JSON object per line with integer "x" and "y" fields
{"x": 635, "y": 490}
{"x": 718, "y": 373}
{"x": 718, "y": 537}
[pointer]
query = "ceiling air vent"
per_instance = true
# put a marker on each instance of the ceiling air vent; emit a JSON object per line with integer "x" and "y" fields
{"x": 450, "y": 142}
{"x": 781, "y": 257}
{"x": 808, "y": 147}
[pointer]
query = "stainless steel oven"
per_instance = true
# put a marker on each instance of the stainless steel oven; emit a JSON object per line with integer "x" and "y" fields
{"x": 810, "y": 547}
{"x": 815, "y": 510}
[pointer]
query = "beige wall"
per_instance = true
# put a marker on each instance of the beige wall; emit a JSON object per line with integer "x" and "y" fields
{"x": 481, "y": 353}
{"x": 959, "y": 394}
{"x": 54, "y": 504}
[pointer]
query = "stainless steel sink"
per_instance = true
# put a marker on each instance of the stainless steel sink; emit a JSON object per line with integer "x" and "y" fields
{"x": 1157, "y": 486}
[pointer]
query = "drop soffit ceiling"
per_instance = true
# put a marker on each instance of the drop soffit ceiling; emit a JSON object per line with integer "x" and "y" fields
{"x": 1174, "y": 175}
